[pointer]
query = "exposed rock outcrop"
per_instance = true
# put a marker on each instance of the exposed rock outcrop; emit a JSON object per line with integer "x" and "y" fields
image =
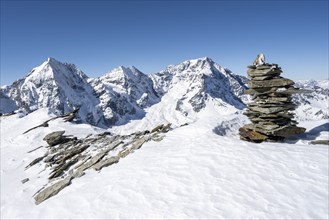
{"x": 54, "y": 138}
{"x": 68, "y": 157}
{"x": 324, "y": 142}
{"x": 52, "y": 190}
{"x": 25, "y": 180}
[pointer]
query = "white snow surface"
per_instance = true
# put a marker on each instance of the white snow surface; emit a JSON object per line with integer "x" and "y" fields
{"x": 201, "y": 170}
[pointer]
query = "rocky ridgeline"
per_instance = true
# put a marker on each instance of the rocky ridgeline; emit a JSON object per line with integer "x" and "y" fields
{"x": 68, "y": 157}
{"x": 271, "y": 106}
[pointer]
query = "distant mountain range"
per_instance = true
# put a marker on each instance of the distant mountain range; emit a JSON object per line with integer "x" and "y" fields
{"x": 125, "y": 93}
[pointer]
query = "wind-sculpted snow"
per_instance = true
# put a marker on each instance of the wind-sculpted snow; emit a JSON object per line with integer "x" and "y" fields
{"x": 193, "y": 172}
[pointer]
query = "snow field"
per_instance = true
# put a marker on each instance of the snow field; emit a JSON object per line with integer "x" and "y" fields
{"x": 192, "y": 173}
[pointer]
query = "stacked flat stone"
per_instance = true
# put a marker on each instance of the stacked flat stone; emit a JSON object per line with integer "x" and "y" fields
{"x": 271, "y": 106}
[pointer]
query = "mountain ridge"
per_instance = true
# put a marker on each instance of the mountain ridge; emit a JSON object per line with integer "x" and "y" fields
{"x": 125, "y": 93}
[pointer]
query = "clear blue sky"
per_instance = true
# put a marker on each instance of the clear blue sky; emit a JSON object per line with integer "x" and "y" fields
{"x": 100, "y": 35}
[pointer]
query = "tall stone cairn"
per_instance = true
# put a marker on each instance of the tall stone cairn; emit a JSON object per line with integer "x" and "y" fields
{"x": 271, "y": 106}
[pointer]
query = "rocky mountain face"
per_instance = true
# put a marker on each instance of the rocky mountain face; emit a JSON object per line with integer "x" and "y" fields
{"x": 7, "y": 105}
{"x": 315, "y": 105}
{"x": 111, "y": 99}
{"x": 60, "y": 87}
{"x": 194, "y": 82}
{"x": 125, "y": 93}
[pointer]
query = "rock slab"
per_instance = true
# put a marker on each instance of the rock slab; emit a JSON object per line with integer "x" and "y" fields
{"x": 54, "y": 138}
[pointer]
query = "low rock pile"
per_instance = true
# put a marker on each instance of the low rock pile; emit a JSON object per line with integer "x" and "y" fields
{"x": 271, "y": 106}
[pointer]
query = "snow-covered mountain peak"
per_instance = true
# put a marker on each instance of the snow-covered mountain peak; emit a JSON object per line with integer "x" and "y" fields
{"x": 123, "y": 72}
{"x": 52, "y": 61}
{"x": 42, "y": 72}
{"x": 49, "y": 63}
{"x": 196, "y": 66}
{"x": 52, "y": 69}
{"x": 125, "y": 78}
{"x": 60, "y": 87}
{"x": 315, "y": 84}
{"x": 202, "y": 60}
{"x": 195, "y": 83}
{"x": 313, "y": 105}
{"x": 125, "y": 93}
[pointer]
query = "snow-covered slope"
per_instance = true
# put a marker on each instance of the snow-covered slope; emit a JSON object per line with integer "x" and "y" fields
{"x": 198, "y": 81}
{"x": 315, "y": 105}
{"x": 188, "y": 92}
{"x": 124, "y": 93}
{"x": 134, "y": 83}
{"x": 201, "y": 170}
